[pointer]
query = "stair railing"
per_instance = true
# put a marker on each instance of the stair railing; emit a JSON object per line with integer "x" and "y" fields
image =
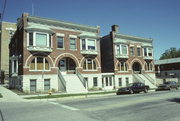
{"x": 138, "y": 78}
{"x": 149, "y": 78}
{"x": 81, "y": 78}
{"x": 61, "y": 78}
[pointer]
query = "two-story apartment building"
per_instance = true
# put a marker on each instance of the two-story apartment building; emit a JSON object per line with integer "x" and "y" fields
{"x": 47, "y": 54}
{"x": 126, "y": 59}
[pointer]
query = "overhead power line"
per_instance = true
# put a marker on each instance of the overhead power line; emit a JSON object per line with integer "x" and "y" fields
{"x": 4, "y": 8}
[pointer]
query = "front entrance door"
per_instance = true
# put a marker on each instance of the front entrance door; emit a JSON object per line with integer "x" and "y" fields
{"x": 137, "y": 67}
{"x": 62, "y": 64}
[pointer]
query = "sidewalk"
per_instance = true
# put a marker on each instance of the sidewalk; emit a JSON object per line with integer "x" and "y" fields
{"x": 9, "y": 96}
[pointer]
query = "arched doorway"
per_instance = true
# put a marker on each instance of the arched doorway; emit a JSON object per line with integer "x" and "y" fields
{"x": 67, "y": 64}
{"x": 136, "y": 67}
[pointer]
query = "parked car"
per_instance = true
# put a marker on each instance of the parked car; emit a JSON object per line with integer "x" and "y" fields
{"x": 133, "y": 88}
{"x": 168, "y": 86}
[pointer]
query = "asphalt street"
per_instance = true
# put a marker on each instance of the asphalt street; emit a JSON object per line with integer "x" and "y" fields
{"x": 152, "y": 106}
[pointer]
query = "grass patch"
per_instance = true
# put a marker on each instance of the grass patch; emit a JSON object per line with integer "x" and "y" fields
{"x": 1, "y": 95}
{"x": 68, "y": 95}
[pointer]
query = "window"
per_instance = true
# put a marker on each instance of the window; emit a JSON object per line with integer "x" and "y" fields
{"x": 39, "y": 39}
{"x": 91, "y": 44}
{"x": 30, "y": 39}
{"x": 121, "y": 50}
{"x": 118, "y": 50}
{"x": 122, "y": 66}
{"x": 124, "y": 49}
{"x": 106, "y": 81}
{"x": 110, "y": 81}
{"x": 49, "y": 40}
{"x": 120, "y": 82}
{"x": 39, "y": 63}
{"x": 46, "y": 84}
{"x": 139, "y": 51}
{"x": 60, "y": 42}
{"x": 83, "y": 44}
{"x": 148, "y": 66}
{"x": 89, "y": 64}
{"x": 73, "y": 43}
{"x": 33, "y": 85}
{"x": 127, "y": 81}
{"x": 15, "y": 66}
{"x": 95, "y": 81}
{"x": 132, "y": 51}
{"x": 145, "y": 51}
{"x": 88, "y": 44}
{"x": 149, "y": 51}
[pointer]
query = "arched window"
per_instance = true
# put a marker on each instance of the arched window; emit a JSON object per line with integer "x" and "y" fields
{"x": 148, "y": 66}
{"x": 39, "y": 63}
{"x": 122, "y": 66}
{"x": 89, "y": 64}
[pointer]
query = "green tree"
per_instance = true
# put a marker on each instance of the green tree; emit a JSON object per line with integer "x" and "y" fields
{"x": 170, "y": 53}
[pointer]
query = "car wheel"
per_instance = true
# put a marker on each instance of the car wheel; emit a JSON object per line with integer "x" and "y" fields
{"x": 131, "y": 91}
{"x": 145, "y": 90}
{"x": 176, "y": 88}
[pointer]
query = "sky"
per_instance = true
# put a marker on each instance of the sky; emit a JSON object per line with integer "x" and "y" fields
{"x": 156, "y": 19}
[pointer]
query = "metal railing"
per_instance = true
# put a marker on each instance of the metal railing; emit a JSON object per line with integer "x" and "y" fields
{"x": 61, "y": 78}
{"x": 150, "y": 79}
{"x": 81, "y": 78}
{"x": 138, "y": 78}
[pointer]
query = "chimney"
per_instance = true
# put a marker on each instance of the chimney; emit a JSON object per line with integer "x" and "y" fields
{"x": 115, "y": 28}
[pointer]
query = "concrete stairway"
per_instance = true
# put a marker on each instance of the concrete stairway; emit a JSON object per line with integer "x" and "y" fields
{"x": 74, "y": 84}
{"x": 143, "y": 78}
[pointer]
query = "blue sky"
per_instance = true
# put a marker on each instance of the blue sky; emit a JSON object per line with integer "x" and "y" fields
{"x": 156, "y": 19}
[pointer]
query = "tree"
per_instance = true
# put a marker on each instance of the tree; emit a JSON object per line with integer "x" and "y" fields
{"x": 170, "y": 53}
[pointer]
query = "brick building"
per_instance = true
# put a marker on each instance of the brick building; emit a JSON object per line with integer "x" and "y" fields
{"x": 47, "y": 54}
{"x": 126, "y": 59}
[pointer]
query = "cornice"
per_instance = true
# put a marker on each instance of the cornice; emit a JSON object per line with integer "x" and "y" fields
{"x": 133, "y": 38}
{"x": 62, "y": 24}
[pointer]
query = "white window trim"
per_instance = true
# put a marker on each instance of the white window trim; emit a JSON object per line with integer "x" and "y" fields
{"x": 86, "y": 39}
{"x": 140, "y": 51}
{"x": 75, "y": 42}
{"x": 92, "y": 66}
{"x": 34, "y": 38}
{"x": 63, "y": 42}
{"x": 120, "y": 46}
{"x": 124, "y": 63}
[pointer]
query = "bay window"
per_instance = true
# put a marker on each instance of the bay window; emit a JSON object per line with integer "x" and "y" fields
{"x": 88, "y": 44}
{"x": 147, "y": 51}
{"x": 121, "y": 49}
{"x": 39, "y": 39}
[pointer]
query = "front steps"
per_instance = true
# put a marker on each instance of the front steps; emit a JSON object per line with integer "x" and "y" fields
{"x": 74, "y": 84}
